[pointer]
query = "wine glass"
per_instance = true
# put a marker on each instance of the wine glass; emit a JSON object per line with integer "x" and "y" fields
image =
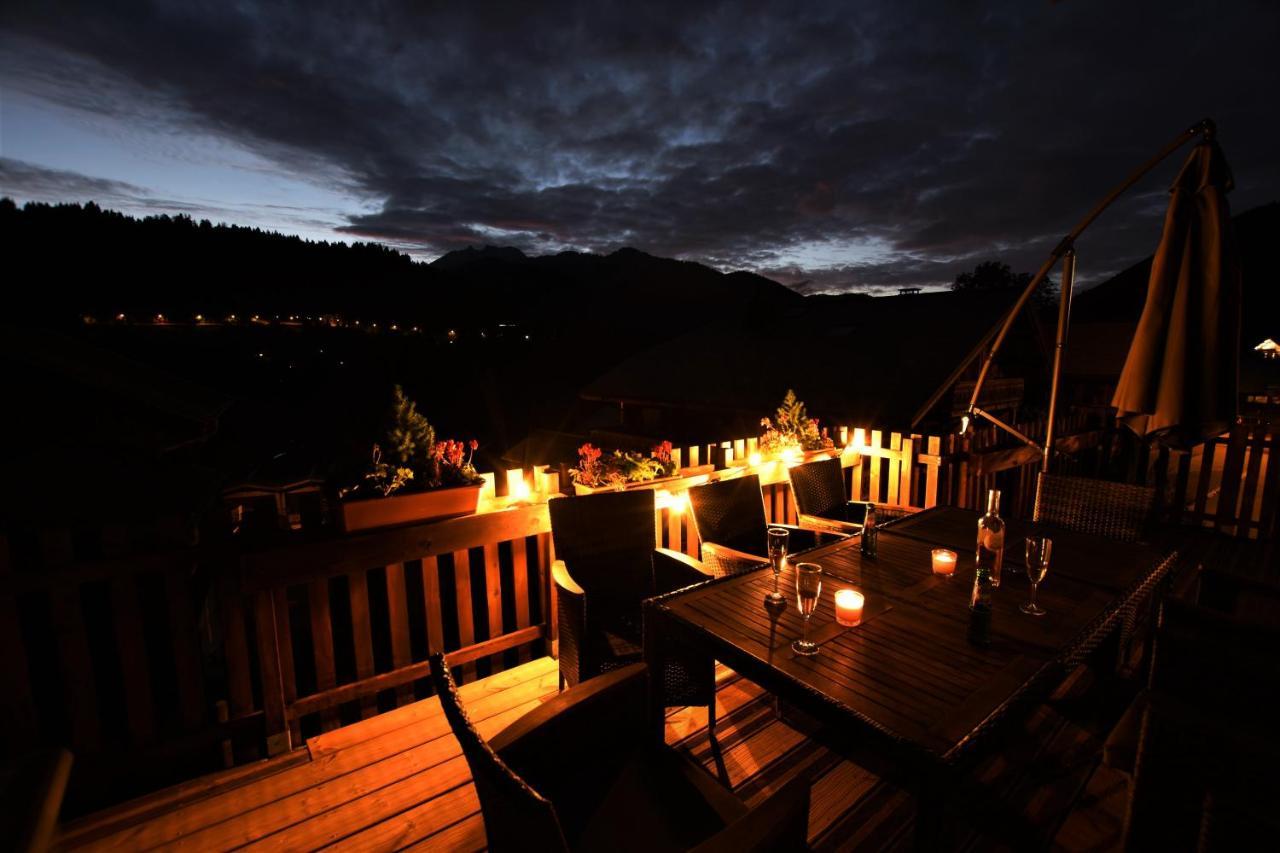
{"x": 808, "y": 588}
{"x": 1039, "y": 550}
{"x": 778, "y": 538}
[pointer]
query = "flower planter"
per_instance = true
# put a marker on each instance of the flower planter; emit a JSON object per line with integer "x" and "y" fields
{"x": 369, "y": 513}
{"x": 683, "y": 473}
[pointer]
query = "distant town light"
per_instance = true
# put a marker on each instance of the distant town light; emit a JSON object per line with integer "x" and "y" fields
{"x": 120, "y": 317}
{"x": 1269, "y": 349}
{"x": 199, "y": 318}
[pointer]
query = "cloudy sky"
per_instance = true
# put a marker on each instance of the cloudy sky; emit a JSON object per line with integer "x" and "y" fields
{"x": 849, "y": 146}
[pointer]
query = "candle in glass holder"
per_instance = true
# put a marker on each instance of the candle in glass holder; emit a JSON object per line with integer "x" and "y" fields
{"x": 849, "y": 607}
{"x": 944, "y": 562}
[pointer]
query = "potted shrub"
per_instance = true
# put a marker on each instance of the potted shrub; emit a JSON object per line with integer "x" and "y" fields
{"x": 792, "y": 433}
{"x": 412, "y": 476}
{"x": 598, "y": 471}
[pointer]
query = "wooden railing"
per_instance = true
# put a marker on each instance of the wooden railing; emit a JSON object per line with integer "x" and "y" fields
{"x": 340, "y": 628}
{"x": 174, "y": 663}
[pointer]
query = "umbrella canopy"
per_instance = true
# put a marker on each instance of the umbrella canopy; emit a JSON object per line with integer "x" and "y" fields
{"x": 1179, "y": 382}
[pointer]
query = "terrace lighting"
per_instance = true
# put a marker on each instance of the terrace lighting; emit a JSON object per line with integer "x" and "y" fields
{"x": 755, "y": 459}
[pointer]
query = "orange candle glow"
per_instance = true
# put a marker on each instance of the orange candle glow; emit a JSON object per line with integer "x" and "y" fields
{"x": 849, "y": 607}
{"x": 944, "y": 562}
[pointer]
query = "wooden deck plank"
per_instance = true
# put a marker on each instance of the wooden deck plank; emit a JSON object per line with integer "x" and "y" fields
{"x": 372, "y": 796}
{"x": 398, "y": 781}
{"x": 409, "y": 715}
{"x": 231, "y": 805}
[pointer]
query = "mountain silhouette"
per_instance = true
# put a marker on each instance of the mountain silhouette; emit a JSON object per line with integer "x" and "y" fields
{"x": 83, "y": 259}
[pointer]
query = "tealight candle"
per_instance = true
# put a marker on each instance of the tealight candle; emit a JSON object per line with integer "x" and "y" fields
{"x": 849, "y": 607}
{"x": 944, "y": 562}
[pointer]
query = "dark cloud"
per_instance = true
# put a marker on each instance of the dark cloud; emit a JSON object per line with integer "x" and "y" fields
{"x": 850, "y": 146}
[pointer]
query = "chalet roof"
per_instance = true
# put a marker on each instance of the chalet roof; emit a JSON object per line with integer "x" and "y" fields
{"x": 853, "y": 358}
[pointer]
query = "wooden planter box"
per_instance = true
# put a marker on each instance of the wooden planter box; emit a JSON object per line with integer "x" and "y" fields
{"x": 404, "y": 509}
{"x": 694, "y": 471}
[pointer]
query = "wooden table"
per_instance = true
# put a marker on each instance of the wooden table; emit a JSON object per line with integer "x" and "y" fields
{"x": 905, "y": 694}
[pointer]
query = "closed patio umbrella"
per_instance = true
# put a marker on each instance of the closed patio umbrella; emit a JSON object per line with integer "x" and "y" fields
{"x": 1179, "y": 382}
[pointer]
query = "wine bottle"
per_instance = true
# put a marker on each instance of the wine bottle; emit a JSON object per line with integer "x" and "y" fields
{"x": 980, "y": 604}
{"x": 869, "y": 532}
{"x": 991, "y": 538}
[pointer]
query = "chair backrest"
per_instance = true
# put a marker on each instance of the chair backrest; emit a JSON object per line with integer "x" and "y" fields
{"x": 607, "y": 541}
{"x": 1113, "y": 510}
{"x": 731, "y": 513}
{"x": 1212, "y": 701}
{"x": 819, "y": 488}
{"x": 516, "y": 817}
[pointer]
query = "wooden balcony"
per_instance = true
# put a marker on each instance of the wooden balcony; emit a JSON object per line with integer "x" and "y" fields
{"x": 157, "y": 668}
{"x": 398, "y": 781}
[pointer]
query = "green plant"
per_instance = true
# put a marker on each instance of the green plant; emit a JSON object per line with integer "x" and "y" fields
{"x": 415, "y": 459}
{"x": 597, "y": 470}
{"x": 381, "y": 477}
{"x": 410, "y": 438}
{"x": 792, "y": 427}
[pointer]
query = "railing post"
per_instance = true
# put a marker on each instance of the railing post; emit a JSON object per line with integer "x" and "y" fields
{"x": 273, "y": 703}
{"x": 1060, "y": 341}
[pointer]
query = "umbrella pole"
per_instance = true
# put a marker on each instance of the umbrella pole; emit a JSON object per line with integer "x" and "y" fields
{"x": 1059, "y": 344}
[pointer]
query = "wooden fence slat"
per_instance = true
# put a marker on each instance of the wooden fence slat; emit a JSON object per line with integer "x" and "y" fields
{"x": 673, "y": 528}
{"x": 398, "y": 615}
{"x": 905, "y": 465}
{"x": 134, "y": 671}
{"x": 239, "y": 675}
{"x": 520, "y": 587}
{"x": 1248, "y": 518}
{"x": 322, "y": 645}
{"x": 1269, "y": 526}
{"x": 934, "y": 449}
{"x": 546, "y": 556}
{"x": 1229, "y": 490}
{"x": 284, "y": 648}
{"x": 362, "y": 635}
{"x": 1208, "y": 452}
{"x": 79, "y": 690}
{"x": 493, "y": 589}
{"x": 18, "y": 724}
{"x": 895, "y": 468}
{"x": 692, "y": 546}
{"x": 432, "y": 604}
{"x": 462, "y": 599}
{"x": 877, "y": 441}
{"x": 273, "y": 701}
{"x": 186, "y": 648}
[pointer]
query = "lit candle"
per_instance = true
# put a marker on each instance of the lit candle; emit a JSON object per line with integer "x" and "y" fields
{"x": 944, "y": 562}
{"x": 849, "y": 607}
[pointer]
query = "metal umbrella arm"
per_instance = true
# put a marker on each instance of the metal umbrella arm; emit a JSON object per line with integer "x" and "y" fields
{"x": 1066, "y": 253}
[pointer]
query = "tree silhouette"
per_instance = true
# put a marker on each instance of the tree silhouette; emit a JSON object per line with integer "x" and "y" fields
{"x": 991, "y": 276}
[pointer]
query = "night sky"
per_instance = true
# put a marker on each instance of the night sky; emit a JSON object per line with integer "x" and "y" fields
{"x": 831, "y": 145}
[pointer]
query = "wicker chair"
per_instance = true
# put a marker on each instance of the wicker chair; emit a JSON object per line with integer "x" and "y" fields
{"x": 1207, "y": 751}
{"x": 733, "y": 527}
{"x": 1097, "y": 507}
{"x": 578, "y": 773}
{"x": 821, "y": 501}
{"x": 606, "y": 566}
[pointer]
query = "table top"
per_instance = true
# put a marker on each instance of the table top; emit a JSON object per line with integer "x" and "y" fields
{"x": 908, "y": 671}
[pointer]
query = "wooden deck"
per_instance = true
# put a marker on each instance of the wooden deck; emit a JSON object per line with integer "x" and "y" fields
{"x": 398, "y": 781}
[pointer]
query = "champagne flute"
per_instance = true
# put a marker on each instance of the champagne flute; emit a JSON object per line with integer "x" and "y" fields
{"x": 808, "y": 589}
{"x": 778, "y": 538}
{"x": 1039, "y": 550}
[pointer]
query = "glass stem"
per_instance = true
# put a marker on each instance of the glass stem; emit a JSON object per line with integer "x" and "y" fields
{"x": 775, "y": 584}
{"x": 804, "y": 632}
{"x": 1034, "y": 587}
